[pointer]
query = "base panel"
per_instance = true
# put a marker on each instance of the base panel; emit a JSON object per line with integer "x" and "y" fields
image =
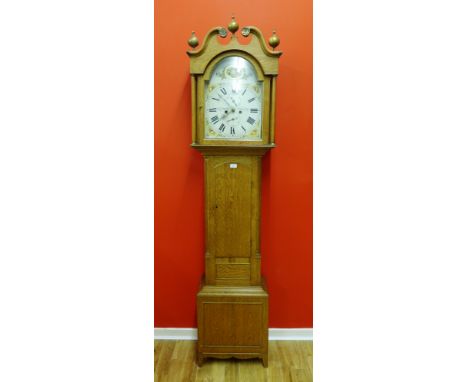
{"x": 232, "y": 322}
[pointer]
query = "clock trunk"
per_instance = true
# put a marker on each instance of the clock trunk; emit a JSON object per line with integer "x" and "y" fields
{"x": 232, "y": 304}
{"x": 232, "y": 211}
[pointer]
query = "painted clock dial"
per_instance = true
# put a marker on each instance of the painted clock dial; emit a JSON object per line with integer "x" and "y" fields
{"x": 233, "y": 101}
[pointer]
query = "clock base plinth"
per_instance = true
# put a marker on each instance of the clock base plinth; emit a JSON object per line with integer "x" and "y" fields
{"x": 232, "y": 322}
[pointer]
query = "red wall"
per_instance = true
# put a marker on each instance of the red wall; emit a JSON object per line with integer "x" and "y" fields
{"x": 286, "y": 244}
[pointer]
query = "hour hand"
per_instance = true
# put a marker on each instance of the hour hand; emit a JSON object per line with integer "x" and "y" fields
{"x": 225, "y": 112}
{"x": 227, "y": 103}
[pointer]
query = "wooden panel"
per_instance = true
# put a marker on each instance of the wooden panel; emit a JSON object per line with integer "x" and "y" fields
{"x": 232, "y": 324}
{"x": 232, "y": 210}
{"x": 255, "y": 222}
{"x": 232, "y": 260}
{"x": 194, "y": 108}
{"x": 233, "y": 271}
{"x": 229, "y": 183}
{"x": 230, "y": 150}
{"x": 273, "y": 110}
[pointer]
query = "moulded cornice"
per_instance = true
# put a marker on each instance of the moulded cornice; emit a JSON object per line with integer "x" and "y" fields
{"x": 211, "y": 47}
{"x": 257, "y": 150}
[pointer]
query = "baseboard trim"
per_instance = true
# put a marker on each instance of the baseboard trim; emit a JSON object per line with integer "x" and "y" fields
{"x": 175, "y": 334}
{"x": 295, "y": 334}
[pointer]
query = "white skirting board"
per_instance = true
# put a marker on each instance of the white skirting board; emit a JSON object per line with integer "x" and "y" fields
{"x": 273, "y": 334}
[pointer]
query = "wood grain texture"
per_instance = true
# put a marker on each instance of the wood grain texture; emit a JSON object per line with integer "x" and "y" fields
{"x": 223, "y": 150}
{"x": 290, "y": 361}
{"x": 194, "y": 108}
{"x": 232, "y": 219}
{"x": 229, "y": 325}
{"x": 233, "y": 271}
{"x": 232, "y": 322}
{"x": 230, "y": 206}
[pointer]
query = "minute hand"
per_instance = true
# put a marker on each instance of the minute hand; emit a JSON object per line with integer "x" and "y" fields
{"x": 234, "y": 101}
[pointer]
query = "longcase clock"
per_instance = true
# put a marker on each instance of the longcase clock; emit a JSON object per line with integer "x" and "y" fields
{"x": 233, "y": 126}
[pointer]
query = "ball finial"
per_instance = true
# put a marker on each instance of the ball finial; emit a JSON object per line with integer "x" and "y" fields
{"x": 233, "y": 26}
{"x": 193, "y": 40}
{"x": 274, "y": 40}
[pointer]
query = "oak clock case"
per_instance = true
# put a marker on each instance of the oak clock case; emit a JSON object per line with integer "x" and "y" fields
{"x": 233, "y": 123}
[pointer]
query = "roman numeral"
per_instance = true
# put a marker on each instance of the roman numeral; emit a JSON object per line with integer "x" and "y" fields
{"x": 244, "y": 91}
{"x": 222, "y": 127}
{"x": 250, "y": 100}
{"x": 254, "y": 110}
{"x": 243, "y": 128}
{"x": 232, "y": 130}
{"x": 251, "y": 120}
{"x": 212, "y": 110}
{"x": 223, "y": 91}
{"x": 215, "y": 119}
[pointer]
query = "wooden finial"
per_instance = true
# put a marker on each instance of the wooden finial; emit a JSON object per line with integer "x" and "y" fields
{"x": 274, "y": 40}
{"x": 233, "y": 26}
{"x": 193, "y": 40}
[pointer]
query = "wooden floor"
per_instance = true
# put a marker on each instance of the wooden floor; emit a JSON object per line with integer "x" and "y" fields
{"x": 289, "y": 361}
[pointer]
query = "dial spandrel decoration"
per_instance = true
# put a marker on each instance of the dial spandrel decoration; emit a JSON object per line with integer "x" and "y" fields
{"x": 233, "y": 101}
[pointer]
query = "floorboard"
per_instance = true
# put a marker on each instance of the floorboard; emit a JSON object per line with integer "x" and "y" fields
{"x": 289, "y": 361}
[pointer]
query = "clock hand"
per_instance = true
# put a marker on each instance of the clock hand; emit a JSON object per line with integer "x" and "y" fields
{"x": 229, "y": 105}
{"x": 232, "y": 99}
{"x": 226, "y": 113}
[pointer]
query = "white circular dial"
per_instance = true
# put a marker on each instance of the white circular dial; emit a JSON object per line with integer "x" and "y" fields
{"x": 233, "y": 101}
